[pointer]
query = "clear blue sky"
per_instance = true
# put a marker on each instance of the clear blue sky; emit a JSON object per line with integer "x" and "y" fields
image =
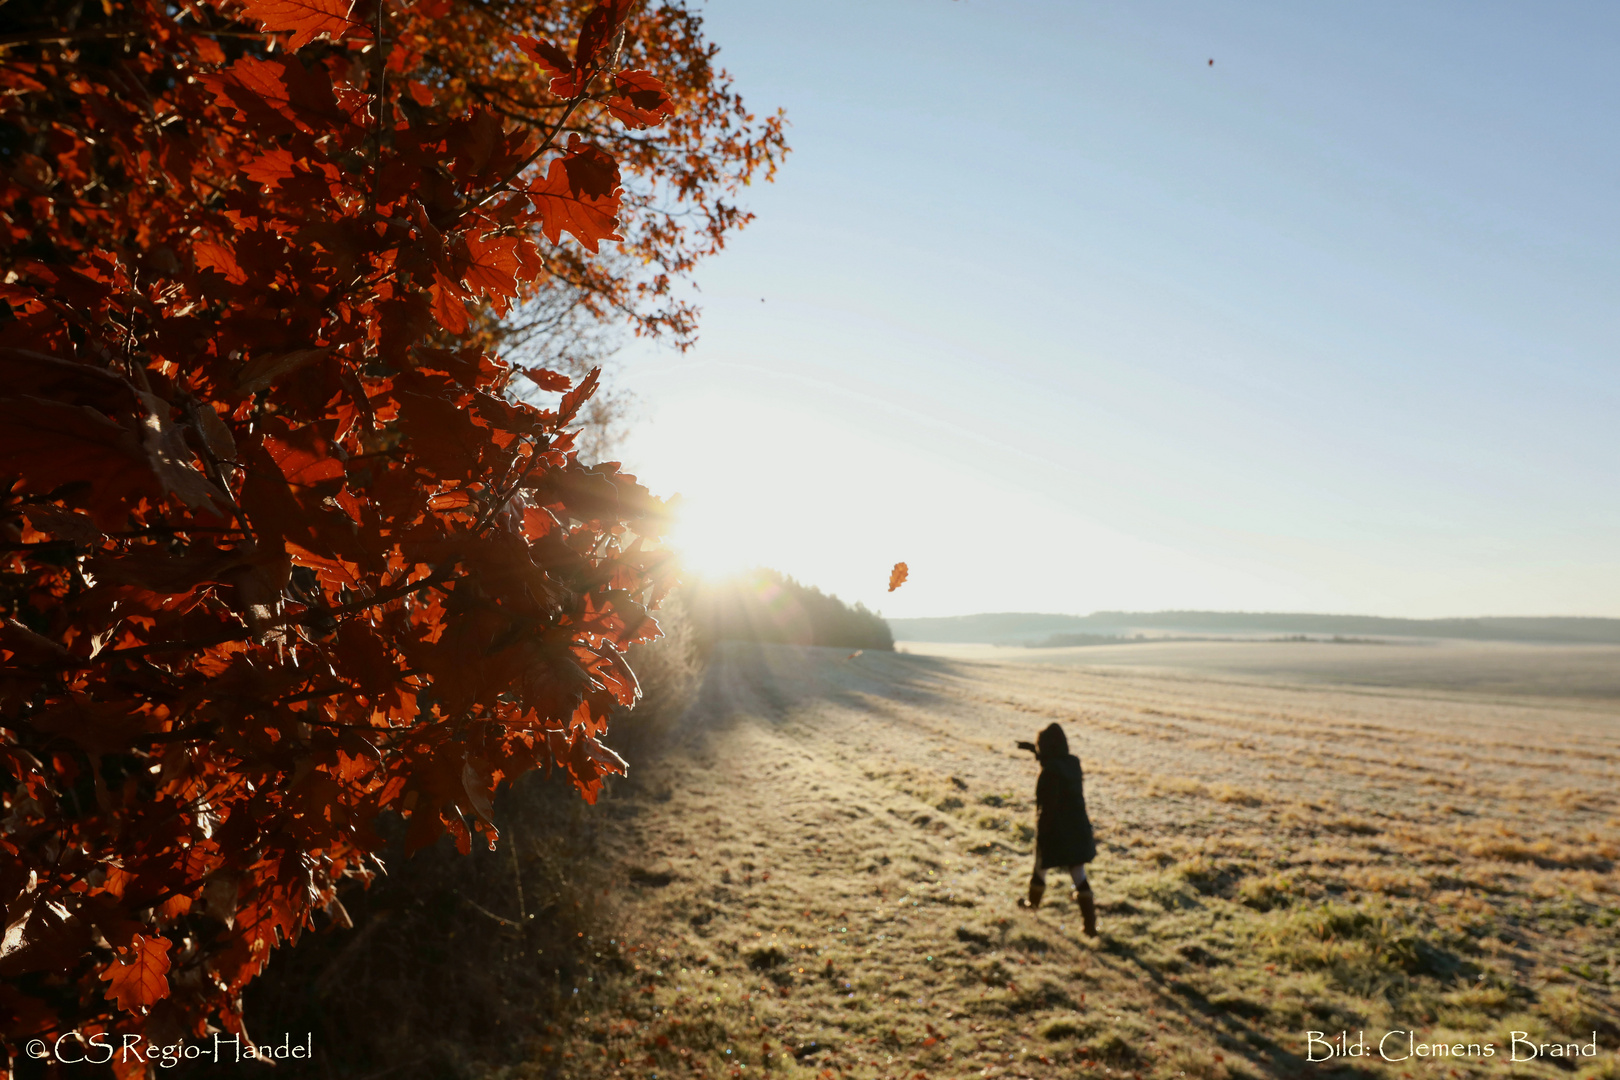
{"x": 1069, "y": 319}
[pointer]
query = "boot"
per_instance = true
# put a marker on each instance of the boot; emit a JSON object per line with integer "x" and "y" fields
{"x": 1037, "y": 889}
{"x": 1088, "y": 909}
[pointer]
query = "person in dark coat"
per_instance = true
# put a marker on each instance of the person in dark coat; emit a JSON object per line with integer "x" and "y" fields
{"x": 1063, "y": 835}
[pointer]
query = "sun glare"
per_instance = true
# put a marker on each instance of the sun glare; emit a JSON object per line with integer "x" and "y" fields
{"x": 711, "y": 542}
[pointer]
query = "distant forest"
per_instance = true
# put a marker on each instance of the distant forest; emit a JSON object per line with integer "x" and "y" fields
{"x": 1023, "y": 628}
{"x": 766, "y": 605}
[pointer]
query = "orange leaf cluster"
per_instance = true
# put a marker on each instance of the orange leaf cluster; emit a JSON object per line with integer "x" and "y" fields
{"x": 281, "y": 547}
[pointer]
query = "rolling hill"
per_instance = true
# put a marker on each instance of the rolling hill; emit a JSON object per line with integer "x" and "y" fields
{"x": 1026, "y": 628}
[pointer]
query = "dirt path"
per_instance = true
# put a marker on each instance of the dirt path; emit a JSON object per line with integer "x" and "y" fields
{"x": 820, "y": 878}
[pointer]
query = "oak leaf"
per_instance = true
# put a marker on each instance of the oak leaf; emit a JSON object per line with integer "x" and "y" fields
{"x": 279, "y": 95}
{"x": 215, "y": 433}
{"x": 272, "y": 167}
{"x": 600, "y": 27}
{"x": 494, "y": 266}
{"x": 305, "y": 20}
{"x": 564, "y": 82}
{"x": 897, "y": 576}
{"x": 305, "y": 455}
{"x": 170, "y": 458}
{"x": 547, "y": 379}
{"x": 138, "y": 978}
{"x": 221, "y": 258}
{"x": 641, "y": 101}
{"x": 447, "y": 303}
{"x": 571, "y": 401}
{"x": 592, "y": 171}
{"x": 589, "y": 220}
{"x": 579, "y": 195}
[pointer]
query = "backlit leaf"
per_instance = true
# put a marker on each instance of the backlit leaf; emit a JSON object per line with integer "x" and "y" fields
{"x": 138, "y": 978}
{"x": 305, "y": 20}
{"x": 599, "y": 30}
{"x": 548, "y": 380}
{"x": 641, "y": 100}
{"x": 565, "y": 208}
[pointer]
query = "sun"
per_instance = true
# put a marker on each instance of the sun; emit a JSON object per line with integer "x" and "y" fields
{"x": 712, "y": 542}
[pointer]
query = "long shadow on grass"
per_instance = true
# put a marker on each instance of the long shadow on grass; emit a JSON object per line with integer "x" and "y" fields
{"x": 769, "y": 681}
{"x": 1229, "y": 1018}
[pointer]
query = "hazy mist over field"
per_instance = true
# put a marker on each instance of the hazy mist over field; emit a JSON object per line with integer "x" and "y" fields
{"x": 1547, "y": 657}
{"x": 1031, "y": 628}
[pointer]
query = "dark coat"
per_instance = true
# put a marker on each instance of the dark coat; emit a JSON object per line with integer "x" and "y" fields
{"x": 1062, "y": 829}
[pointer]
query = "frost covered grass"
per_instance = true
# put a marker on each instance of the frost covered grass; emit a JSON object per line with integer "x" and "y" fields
{"x": 819, "y": 879}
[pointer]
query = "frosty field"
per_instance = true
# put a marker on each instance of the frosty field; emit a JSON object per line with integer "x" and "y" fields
{"x": 820, "y": 877}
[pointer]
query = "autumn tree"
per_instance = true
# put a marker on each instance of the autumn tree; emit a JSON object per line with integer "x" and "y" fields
{"x": 281, "y": 548}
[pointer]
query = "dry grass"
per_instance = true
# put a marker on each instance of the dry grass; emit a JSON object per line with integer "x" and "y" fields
{"x": 821, "y": 881}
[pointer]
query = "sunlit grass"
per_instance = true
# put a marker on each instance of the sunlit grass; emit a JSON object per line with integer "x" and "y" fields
{"x": 843, "y": 859}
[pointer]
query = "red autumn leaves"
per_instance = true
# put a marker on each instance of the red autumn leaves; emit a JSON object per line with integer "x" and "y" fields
{"x": 302, "y": 20}
{"x": 139, "y": 977}
{"x": 280, "y": 549}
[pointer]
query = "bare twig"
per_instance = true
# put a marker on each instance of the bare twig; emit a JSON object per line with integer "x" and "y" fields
{"x": 485, "y": 911}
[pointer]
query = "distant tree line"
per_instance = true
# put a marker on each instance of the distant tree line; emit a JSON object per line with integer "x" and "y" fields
{"x": 1030, "y": 628}
{"x": 769, "y": 606}
{"x": 1066, "y": 641}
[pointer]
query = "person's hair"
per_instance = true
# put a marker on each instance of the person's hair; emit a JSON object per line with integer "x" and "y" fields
{"x": 1051, "y": 742}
